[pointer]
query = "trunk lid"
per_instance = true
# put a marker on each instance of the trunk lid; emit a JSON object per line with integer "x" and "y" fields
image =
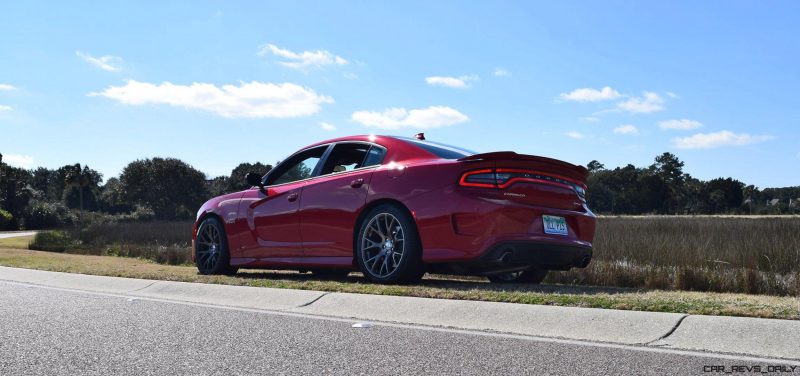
{"x": 528, "y": 179}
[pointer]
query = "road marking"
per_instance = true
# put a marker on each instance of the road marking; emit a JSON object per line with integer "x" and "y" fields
{"x": 565, "y": 341}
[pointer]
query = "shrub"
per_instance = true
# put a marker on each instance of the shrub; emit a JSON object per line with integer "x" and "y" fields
{"x": 53, "y": 241}
{"x": 42, "y": 215}
{"x": 5, "y": 219}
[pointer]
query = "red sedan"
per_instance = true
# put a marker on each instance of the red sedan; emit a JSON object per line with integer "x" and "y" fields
{"x": 395, "y": 207}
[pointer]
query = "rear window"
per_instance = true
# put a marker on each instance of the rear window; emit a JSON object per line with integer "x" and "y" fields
{"x": 441, "y": 150}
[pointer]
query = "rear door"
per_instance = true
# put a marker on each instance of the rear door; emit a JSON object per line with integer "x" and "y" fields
{"x": 331, "y": 202}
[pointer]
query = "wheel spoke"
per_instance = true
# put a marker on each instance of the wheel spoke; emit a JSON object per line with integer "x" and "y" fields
{"x": 369, "y": 244}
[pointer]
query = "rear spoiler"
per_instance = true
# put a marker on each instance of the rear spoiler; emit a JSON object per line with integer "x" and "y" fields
{"x": 579, "y": 171}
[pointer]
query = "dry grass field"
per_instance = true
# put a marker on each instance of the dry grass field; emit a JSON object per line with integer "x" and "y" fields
{"x": 749, "y": 254}
{"x": 757, "y": 255}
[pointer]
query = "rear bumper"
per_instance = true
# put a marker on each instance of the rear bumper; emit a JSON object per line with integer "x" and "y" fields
{"x": 515, "y": 254}
{"x": 460, "y": 228}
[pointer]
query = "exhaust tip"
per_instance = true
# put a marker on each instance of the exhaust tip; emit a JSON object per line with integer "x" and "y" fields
{"x": 506, "y": 257}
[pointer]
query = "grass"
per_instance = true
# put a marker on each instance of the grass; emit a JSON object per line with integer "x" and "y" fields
{"x": 20, "y": 242}
{"x": 747, "y": 254}
{"x": 430, "y": 287}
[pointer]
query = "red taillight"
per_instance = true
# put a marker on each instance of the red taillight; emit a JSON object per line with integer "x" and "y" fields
{"x": 479, "y": 178}
{"x": 505, "y": 177}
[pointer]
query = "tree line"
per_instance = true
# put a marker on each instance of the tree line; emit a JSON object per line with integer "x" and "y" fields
{"x": 157, "y": 188}
{"x": 663, "y": 188}
{"x": 168, "y": 188}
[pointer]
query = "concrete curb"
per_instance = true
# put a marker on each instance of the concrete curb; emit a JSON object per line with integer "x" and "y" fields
{"x": 748, "y": 336}
{"x": 604, "y": 325}
{"x": 741, "y": 335}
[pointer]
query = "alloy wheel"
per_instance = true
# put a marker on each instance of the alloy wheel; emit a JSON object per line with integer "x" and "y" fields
{"x": 382, "y": 245}
{"x": 209, "y": 247}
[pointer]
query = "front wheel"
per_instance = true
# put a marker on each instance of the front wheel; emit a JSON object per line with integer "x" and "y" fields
{"x": 211, "y": 249}
{"x": 534, "y": 276}
{"x": 388, "y": 248}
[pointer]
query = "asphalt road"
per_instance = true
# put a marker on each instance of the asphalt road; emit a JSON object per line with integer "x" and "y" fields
{"x": 58, "y": 332}
{"x": 4, "y": 235}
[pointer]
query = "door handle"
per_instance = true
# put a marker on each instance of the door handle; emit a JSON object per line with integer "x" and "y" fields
{"x": 292, "y": 197}
{"x": 357, "y": 183}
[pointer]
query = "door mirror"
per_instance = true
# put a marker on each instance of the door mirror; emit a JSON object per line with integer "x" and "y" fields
{"x": 254, "y": 180}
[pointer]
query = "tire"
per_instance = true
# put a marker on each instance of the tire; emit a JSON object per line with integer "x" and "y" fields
{"x": 533, "y": 276}
{"x": 211, "y": 249}
{"x": 388, "y": 248}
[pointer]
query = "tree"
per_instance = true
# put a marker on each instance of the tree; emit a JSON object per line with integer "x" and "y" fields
{"x": 595, "y": 166}
{"x": 218, "y": 186}
{"x": 168, "y": 186}
{"x": 81, "y": 187}
{"x": 112, "y": 198}
{"x": 669, "y": 169}
{"x": 15, "y": 191}
{"x": 237, "y": 182}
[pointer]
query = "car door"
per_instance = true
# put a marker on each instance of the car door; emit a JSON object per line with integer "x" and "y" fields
{"x": 273, "y": 218}
{"x": 331, "y": 202}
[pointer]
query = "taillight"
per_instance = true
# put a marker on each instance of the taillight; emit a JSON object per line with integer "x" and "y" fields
{"x": 479, "y": 178}
{"x": 505, "y": 177}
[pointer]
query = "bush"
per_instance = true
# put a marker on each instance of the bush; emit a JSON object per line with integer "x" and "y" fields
{"x": 5, "y": 219}
{"x": 41, "y": 215}
{"x": 53, "y": 241}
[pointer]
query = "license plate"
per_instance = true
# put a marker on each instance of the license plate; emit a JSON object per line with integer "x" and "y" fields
{"x": 555, "y": 225}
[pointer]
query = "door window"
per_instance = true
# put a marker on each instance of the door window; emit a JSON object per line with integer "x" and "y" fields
{"x": 348, "y": 157}
{"x": 299, "y": 167}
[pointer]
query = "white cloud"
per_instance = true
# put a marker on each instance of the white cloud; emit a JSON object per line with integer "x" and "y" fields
{"x": 248, "y": 100}
{"x": 5, "y": 108}
{"x": 626, "y": 129}
{"x": 302, "y": 60}
{"x": 673, "y": 95}
{"x": 424, "y": 118}
{"x": 500, "y": 72}
{"x": 454, "y": 82}
{"x": 16, "y": 160}
{"x": 713, "y": 140}
{"x": 591, "y": 95}
{"x": 7, "y": 87}
{"x": 107, "y": 63}
{"x": 327, "y": 126}
{"x": 650, "y": 102}
{"x": 680, "y": 124}
{"x": 575, "y": 135}
{"x": 589, "y": 119}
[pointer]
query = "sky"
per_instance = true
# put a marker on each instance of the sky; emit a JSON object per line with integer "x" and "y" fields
{"x": 220, "y": 83}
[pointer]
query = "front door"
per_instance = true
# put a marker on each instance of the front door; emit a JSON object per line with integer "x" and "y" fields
{"x": 273, "y": 219}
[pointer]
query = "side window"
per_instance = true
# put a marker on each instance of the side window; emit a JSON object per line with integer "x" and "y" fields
{"x": 374, "y": 156}
{"x": 299, "y": 167}
{"x": 345, "y": 157}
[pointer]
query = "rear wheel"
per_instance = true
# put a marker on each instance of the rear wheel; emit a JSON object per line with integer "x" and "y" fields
{"x": 388, "y": 249}
{"x": 534, "y": 276}
{"x": 211, "y": 249}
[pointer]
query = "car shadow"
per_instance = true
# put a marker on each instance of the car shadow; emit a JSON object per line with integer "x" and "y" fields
{"x": 451, "y": 282}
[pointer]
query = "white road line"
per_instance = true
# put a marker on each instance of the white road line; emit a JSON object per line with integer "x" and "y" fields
{"x": 642, "y": 348}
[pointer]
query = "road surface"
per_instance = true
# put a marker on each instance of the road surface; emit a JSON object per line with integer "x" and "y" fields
{"x": 64, "y": 332}
{"x": 16, "y": 234}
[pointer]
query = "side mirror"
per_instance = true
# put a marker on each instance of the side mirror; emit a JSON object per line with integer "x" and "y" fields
{"x": 254, "y": 180}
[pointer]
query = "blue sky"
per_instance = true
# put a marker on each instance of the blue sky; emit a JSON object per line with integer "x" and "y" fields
{"x": 219, "y": 83}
